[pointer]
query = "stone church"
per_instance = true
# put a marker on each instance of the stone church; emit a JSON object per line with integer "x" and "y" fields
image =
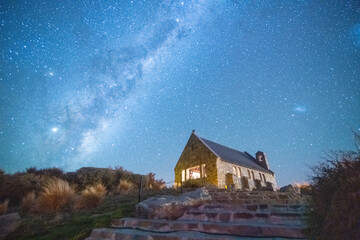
{"x": 205, "y": 162}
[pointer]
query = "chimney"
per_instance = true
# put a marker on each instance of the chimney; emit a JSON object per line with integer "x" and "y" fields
{"x": 261, "y": 159}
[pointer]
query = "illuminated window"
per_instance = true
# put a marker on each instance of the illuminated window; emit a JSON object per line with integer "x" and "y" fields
{"x": 194, "y": 172}
{"x": 239, "y": 172}
{"x": 234, "y": 171}
{"x": 183, "y": 175}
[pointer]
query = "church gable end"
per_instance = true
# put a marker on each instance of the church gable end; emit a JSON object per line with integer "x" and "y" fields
{"x": 197, "y": 163}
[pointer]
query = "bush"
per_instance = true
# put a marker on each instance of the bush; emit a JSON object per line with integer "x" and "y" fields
{"x": 56, "y": 195}
{"x": 15, "y": 186}
{"x": 2, "y": 176}
{"x": 153, "y": 183}
{"x": 53, "y": 172}
{"x": 335, "y": 207}
{"x": 91, "y": 197}
{"x": 28, "y": 203}
{"x": 88, "y": 176}
{"x": 192, "y": 183}
{"x": 4, "y": 207}
{"x": 125, "y": 186}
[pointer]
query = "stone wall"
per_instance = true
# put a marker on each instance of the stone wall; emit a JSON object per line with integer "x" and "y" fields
{"x": 195, "y": 154}
{"x": 229, "y": 168}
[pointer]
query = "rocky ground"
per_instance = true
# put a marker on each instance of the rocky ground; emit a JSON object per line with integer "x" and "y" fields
{"x": 212, "y": 214}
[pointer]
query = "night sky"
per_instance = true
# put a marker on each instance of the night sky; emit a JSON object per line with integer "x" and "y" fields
{"x": 123, "y": 83}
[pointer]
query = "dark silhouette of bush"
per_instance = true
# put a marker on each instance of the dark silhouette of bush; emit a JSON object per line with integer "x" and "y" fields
{"x": 192, "y": 183}
{"x": 2, "y": 176}
{"x": 335, "y": 197}
{"x": 88, "y": 176}
{"x": 53, "y": 172}
{"x": 16, "y": 186}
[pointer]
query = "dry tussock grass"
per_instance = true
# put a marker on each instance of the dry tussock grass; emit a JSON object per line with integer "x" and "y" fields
{"x": 28, "y": 203}
{"x": 56, "y": 195}
{"x": 91, "y": 197}
{"x": 4, "y": 207}
{"x": 125, "y": 186}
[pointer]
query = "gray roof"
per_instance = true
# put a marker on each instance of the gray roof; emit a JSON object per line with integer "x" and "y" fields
{"x": 234, "y": 156}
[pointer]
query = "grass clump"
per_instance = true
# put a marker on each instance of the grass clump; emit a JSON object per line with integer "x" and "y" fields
{"x": 125, "y": 186}
{"x": 56, "y": 195}
{"x": 28, "y": 203}
{"x": 4, "y": 207}
{"x": 91, "y": 197}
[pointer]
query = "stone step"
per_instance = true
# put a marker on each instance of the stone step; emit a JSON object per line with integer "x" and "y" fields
{"x": 128, "y": 234}
{"x": 248, "y": 228}
{"x": 253, "y": 195}
{"x": 261, "y": 201}
{"x": 259, "y": 208}
{"x": 290, "y": 218}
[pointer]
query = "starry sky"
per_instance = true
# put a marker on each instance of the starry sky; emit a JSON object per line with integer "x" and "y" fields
{"x": 123, "y": 83}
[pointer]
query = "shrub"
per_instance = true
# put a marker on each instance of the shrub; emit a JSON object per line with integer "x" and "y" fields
{"x": 28, "y": 203}
{"x": 153, "y": 183}
{"x": 192, "y": 183}
{"x": 56, "y": 195}
{"x": 53, "y": 172}
{"x": 4, "y": 206}
{"x": 335, "y": 207}
{"x": 89, "y": 176}
{"x": 15, "y": 186}
{"x": 2, "y": 176}
{"x": 91, "y": 197}
{"x": 125, "y": 186}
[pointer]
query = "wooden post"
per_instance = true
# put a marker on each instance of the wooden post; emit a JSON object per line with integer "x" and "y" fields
{"x": 140, "y": 187}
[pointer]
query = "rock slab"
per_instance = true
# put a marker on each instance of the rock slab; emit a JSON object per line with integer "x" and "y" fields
{"x": 9, "y": 223}
{"x": 171, "y": 207}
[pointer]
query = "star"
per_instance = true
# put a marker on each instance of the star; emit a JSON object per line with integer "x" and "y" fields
{"x": 54, "y": 129}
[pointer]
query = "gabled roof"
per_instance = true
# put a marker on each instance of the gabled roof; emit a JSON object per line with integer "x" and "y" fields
{"x": 233, "y": 156}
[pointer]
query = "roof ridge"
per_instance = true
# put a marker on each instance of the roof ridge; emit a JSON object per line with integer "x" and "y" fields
{"x": 212, "y": 150}
{"x": 221, "y": 145}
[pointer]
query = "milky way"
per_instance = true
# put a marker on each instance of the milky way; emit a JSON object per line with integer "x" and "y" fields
{"x": 108, "y": 83}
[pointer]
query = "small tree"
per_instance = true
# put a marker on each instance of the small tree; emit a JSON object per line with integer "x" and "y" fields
{"x": 335, "y": 207}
